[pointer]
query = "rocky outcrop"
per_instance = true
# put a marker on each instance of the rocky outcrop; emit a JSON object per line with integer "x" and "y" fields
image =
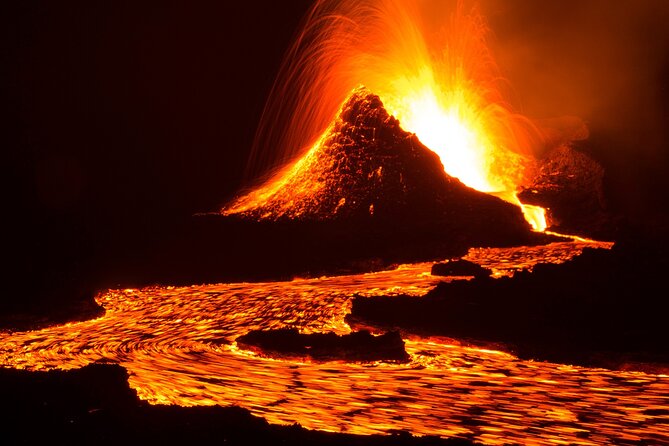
{"x": 359, "y": 346}
{"x": 459, "y": 267}
{"x": 603, "y": 308}
{"x": 570, "y": 186}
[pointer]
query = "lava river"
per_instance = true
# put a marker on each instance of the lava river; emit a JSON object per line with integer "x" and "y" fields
{"x": 178, "y": 347}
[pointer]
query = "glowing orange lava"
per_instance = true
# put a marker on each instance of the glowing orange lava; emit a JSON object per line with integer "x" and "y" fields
{"x": 178, "y": 346}
{"x": 430, "y": 64}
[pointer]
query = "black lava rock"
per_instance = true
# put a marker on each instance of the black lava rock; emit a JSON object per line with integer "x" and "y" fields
{"x": 460, "y": 267}
{"x": 356, "y": 346}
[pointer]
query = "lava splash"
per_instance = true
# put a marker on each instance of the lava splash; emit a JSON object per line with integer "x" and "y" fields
{"x": 436, "y": 77}
{"x": 367, "y": 172}
{"x": 365, "y": 164}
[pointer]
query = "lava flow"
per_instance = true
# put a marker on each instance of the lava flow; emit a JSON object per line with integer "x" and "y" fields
{"x": 439, "y": 80}
{"x": 178, "y": 347}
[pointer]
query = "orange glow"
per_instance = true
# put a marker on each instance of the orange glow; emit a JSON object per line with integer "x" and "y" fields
{"x": 535, "y": 216}
{"x": 177, "y": 344}
{"x": 429, "y": 63}
{"x": 294, "y": 184}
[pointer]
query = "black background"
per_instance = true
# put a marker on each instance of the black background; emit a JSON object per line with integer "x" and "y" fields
{"x": 124, "y": 118}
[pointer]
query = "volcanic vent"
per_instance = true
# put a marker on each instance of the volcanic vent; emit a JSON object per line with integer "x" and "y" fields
{"x": 365, "y": 168}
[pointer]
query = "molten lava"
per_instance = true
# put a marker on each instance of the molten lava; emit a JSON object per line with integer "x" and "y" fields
{"x": 430, "y": 65}
{"x": 365, "y": 167}
{"x": 177, "y": 345}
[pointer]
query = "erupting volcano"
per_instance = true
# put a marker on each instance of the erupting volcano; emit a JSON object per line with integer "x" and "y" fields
{"x": 371, "y": 185}
{"x": 367, "y": 166}
{"x": 440, "y": 84}
{"x": 395, "y": 264}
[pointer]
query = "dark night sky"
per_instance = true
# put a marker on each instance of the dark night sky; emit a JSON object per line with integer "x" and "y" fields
{"x": 129, "y": 107}
{"x": 606, "y": 62}
{"x": 125, "y": 116}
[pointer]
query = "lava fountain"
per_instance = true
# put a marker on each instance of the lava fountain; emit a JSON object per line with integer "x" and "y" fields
{"x": 430, "y": 64}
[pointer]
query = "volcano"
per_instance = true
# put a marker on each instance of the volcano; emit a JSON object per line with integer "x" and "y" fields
{"x": 366, "y": 168}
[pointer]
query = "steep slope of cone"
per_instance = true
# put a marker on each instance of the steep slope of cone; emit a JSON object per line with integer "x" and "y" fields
{"x": 366, "y": 167}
